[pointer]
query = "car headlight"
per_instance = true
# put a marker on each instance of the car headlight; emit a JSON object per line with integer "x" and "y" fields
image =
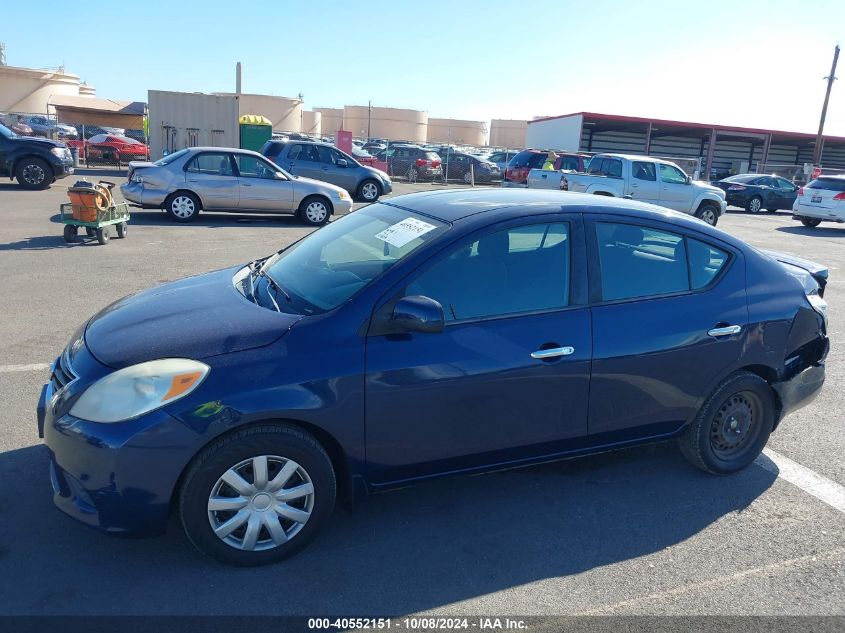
{"x": 59, "y": 152}
{"x": 343, "y": 195}
{"x": 136, "y": 178}
{"x": 133, "y": 391}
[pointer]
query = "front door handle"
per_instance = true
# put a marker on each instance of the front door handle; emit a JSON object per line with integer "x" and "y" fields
{"x": 727, "y": 330}
{"x": 545, "y": 354}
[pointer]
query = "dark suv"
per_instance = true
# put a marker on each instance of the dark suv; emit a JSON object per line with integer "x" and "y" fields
{"x": 35, "y": 162}
{"x": 516, "y": 173}
{"x": 327, "y": 163}
{"x": 412, "y": 162}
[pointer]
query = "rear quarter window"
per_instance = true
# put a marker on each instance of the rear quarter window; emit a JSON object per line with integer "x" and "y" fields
{"x": 831, "y": 184}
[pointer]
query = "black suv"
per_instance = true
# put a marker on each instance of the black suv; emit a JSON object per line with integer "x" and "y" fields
{"x": 36, "y": 163}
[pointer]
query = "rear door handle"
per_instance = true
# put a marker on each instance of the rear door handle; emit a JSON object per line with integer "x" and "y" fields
{"x": 727, "y": 330}
{"x": 543, "y": 354}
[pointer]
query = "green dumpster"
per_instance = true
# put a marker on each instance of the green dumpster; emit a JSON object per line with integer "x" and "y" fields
{"x": 255, "y": 131}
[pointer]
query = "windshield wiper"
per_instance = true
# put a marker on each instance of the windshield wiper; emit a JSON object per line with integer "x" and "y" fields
{"x": 259, "y": 270}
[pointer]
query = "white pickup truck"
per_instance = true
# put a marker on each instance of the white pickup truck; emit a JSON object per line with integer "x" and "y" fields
{"x": 640, "y": 178}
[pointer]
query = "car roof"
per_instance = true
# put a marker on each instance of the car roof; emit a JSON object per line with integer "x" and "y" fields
{"x": 454, "y": 205}
{"x": 636, "y": 157}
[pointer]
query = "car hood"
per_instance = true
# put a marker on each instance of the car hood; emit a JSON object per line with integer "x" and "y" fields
{"x": 40, "y": 142}
{"x": 706, "y": 186}
{"x": 197, "y": 317}
{"x": 326, "y": 186}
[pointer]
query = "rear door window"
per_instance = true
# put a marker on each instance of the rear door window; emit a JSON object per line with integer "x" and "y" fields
{"x": 211, "y": 164}
{"x": 641, "y": 170}
{"x": 705, "y": 262}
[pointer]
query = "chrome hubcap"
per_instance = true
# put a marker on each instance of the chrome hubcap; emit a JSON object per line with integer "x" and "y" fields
{"x": 261, "y": 503}
{"x": 33, "y": 174}
{"x": 755, "y": 205}
{"x": 316, "y": 212}
{"x": 709, "y": 216}
{"x": 182, "y": 207}
{"x": 369, "y": 191}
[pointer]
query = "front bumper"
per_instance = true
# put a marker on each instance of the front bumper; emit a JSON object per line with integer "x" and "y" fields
{"x": 386, "y": 187}
{"x": 341, "y": 206}
{"x": 114, "y": 477}
{"x": 511, "y": 183}
{"x": 62, "y": 168}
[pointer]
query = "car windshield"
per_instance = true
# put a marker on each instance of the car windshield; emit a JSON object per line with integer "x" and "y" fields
{"x": 6, "y": 131}
{"x": 332, "y": 264}
{"x": 166, "y": 160}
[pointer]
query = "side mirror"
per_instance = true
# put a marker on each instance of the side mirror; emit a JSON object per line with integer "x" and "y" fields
{"x": 342, "y": 162}
{"x": 418, "y": 314}
{"x": 688, "y": 180}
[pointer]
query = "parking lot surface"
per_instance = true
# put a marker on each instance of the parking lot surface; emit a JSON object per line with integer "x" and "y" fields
{"x": 633, "y": 531}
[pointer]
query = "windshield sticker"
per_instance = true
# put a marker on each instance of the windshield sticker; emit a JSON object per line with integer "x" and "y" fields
{"x": 405, "y": 231}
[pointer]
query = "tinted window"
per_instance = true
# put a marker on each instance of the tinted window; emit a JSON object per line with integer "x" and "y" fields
{"x": 671, "y": 174}
{"x": 783, "y": 183}
{"x": 569, "y": 162}
{"x": 212, "y": 165}
{"x": 528, "y": 159}
{"x": 254, "y": 167}
{"x": 831, "y": 184}
{"x": 596, "y": 165}
{"x": 612, "y": 167}
{"x": 640, "y": 262}
{"x": 325, "y": 154}
{"x": 431, "y": 155}
{"x": 521, "y": 269}
{"x": 643, "y": 171}
{"x": 705, "y": 262}
{"x": 272, "y": 148}
{"x": 744, "y": 178}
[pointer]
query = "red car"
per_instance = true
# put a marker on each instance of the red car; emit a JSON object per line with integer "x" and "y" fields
{"x": 516, "y": 173}
{"x": 116, "y": 149}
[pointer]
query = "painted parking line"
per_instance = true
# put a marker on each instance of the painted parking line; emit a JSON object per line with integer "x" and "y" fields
{"x": 807, "y": 480}
{"x": 8, "y": 369}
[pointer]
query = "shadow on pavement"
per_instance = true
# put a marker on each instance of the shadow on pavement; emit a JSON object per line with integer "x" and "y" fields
{"x": 819, "y": 231}
{"x": 402, "y": 552}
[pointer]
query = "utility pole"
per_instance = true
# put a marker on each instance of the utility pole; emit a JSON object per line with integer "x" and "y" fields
{"x": 817, "y": 151}
{"x": 370, "y": 116}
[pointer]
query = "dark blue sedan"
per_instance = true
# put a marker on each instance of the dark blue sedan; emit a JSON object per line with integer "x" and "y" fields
{"x": 437, "y": 333}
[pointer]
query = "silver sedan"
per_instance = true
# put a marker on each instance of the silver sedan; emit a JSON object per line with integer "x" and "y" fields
{"x": 228, "y": 179}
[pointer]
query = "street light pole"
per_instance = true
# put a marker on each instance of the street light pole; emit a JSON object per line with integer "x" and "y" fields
{"x": 817, "y": 150}
{"x": 369, "y": 117}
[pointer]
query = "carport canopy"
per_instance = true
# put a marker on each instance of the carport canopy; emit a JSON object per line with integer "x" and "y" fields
{"x": 104, "y": 112}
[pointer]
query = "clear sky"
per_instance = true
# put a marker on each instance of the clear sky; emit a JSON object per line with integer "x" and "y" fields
{"x": 754, "y": 63}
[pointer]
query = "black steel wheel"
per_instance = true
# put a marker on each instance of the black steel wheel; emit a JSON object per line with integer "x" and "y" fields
{"x": 732, "y": 426}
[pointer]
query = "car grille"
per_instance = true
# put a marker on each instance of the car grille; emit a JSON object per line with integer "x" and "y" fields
{"x": 63, "y": 373}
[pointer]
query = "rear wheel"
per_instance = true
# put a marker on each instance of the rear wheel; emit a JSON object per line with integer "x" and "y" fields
{"x": 103, "y": 235}
{"x": 732, "y": 427}
{"x": 122, "y": 229}
{"x": 257, "y": 496}
{"x": 709, "y": 213}
{"x": 182, "y": 206}
{"x": 810, "y": 222}
{"x": 754, "y": 205}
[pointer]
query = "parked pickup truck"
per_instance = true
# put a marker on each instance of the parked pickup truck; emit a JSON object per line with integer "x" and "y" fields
{"x": 641, "y": 178}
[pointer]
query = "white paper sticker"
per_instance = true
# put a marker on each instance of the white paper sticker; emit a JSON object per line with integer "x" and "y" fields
{"x": 403, "y": 232}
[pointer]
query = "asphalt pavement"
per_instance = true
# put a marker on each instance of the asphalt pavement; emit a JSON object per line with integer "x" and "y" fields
{"x": 636, "y": 531}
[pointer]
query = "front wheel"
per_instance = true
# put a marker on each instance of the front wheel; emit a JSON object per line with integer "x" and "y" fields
{"x": 257, "y": 496}
{"x": 103, "y": 235}
{"x": 70, "y": 233}
{"x": 709, "y": 213}
{"x": 315, "y": 211}
{"x": 122, "y": 229}
{"x": 732, "y": 426}
{"x": 810, "y": 223}
{"x": 369, "y": 191}
{"x": 34, "y": 173}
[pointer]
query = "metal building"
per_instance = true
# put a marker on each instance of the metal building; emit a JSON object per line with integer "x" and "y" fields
{"x": 722, "y": 149}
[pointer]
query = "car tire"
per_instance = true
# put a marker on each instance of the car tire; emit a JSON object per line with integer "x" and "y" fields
{"x": 810, "y": 223}
{"x": 285, "y": 524}
{"x": 315, "y": 210}
{"x": 468, "y": 178}
{"x": 122, "y": 229}
{"x": 33, "y": 173}
{"x": 368, "y": 191}
{"x": 754, "y": 205}
{"x": 732, "y": 426}
{"x": 182, "y": 206}
{"x": 709, "y": 213}
{"x": 70, "y": 233}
